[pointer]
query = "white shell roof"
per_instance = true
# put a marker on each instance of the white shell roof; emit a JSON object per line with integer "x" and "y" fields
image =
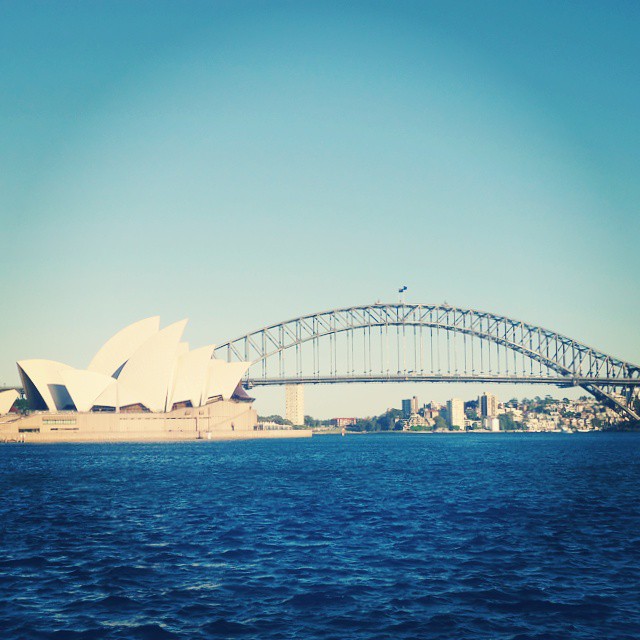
{"x": 224, "y": 377}
{"x": 191, "y": 376}
{"x": 45, "y": 374}
{"x": 147, "y": 376}
{"x": 153, "y": 367}
{"x": 85, "y": 386}
{"x": 7, "y": 398}
{"x": 109, "y": 397}
{"x": 119, "y": 348}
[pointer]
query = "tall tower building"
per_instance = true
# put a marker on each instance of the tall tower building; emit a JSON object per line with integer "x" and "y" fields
{"x": 455, "y": 413}
{"x": 488, "y": 405}
{"x": 294, "y": 396}
{"x": 409, "y": 407}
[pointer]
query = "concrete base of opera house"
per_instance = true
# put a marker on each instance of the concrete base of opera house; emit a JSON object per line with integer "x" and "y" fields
{"x": 222, "y": 420}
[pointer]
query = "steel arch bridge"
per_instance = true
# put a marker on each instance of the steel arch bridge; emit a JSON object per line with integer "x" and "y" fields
{"x": 405, "y": 342}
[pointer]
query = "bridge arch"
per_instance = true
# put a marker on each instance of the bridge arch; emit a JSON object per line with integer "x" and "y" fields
{"x": 303, "y": 343}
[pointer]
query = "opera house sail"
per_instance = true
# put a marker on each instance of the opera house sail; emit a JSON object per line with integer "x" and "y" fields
{"x": 144, "y": 383}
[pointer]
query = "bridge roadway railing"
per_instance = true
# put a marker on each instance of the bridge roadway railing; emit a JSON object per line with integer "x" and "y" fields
{"x": 559, "y": 381}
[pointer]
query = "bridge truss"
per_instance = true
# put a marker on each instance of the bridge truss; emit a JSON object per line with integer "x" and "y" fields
{"x": 429, "y": 343}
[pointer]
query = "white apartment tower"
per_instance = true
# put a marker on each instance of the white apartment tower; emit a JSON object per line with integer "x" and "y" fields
{"x": 294, "y": 396}
{"x": 455, "y": 413}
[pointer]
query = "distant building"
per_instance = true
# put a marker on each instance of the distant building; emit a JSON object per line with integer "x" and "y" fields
{"x": 269, "y": 425}
{"x": 516, "y": 414}
{"x": 409, "y": 407}
{"x": 493, "y": 424}
{"x": 294, "y": 396}
{"x": 343, "y": 422}
{"x": 416, "y": 420}
{"x": 488, "y": 405}
{"x": 430, "y": 414}
{"x": 455, "y": 413}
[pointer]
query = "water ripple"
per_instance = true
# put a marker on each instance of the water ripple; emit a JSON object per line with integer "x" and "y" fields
{"x": 523, "y": 537}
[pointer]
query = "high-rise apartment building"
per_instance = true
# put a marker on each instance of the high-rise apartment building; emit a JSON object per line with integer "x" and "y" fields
{"x": 294, "y": 397}
{"x": 455, "y": 413}
{"x": 409, "y": 407}
{"x": 488, "y": 405}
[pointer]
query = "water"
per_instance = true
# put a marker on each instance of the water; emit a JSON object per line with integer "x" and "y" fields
{"x": 383, "y": 536}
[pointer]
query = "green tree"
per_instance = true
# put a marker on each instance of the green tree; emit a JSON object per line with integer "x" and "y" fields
{"x": 421, "y": 427}
{"x": 507, "y": 423}
{"x": 274, "y": 418}
{"x": 440, "y": 423}
{"x": 22, "y": 405}
{"x": 387, "y": 421}
{"x": 361, "y": 425}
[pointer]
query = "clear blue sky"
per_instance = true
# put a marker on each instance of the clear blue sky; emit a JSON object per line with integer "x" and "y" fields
{"x": 240, "y": 163}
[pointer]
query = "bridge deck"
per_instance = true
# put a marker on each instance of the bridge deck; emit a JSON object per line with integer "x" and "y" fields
{"x": 559, "y": 380}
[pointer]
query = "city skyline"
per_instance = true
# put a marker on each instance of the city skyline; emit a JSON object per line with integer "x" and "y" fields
{"x": 241, "y": 165}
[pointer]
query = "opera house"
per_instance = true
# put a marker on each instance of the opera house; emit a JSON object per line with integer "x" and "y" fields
{"x": 143, "y": 384}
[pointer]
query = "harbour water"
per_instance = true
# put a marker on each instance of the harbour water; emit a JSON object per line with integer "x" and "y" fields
{"x": 525, "y": 536}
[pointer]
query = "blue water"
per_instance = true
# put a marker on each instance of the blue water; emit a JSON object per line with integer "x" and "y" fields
{"x": 379, "y": 536}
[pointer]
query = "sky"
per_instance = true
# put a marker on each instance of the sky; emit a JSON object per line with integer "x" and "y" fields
{"x": 242, "y": 163}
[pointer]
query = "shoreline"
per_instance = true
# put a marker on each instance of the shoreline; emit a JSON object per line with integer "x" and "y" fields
{"x": 483, "y": 432}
